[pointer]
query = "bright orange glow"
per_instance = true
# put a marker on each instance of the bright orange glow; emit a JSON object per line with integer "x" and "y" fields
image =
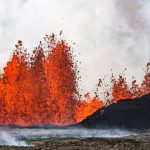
{"x": 121, "y": 90}
{"x": 42, "y": 89}
{"x": 87, "y": 107}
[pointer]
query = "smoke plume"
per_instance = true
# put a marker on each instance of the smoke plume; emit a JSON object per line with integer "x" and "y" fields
{"x": 108, "y": 33}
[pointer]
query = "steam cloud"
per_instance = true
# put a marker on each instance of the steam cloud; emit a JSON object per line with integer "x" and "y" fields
{"x": 108, "y": 33}
{"x": 11, "y": 140}
{"x": 10, "y": 136}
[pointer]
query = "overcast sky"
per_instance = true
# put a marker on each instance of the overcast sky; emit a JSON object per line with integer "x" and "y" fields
{"x": 109, "y": 34}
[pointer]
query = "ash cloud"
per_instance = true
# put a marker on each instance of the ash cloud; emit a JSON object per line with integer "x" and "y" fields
{"x": 108, "y": 33}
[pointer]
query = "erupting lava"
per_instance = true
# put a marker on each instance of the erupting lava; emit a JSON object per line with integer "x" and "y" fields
{"x": 43, "y": 89}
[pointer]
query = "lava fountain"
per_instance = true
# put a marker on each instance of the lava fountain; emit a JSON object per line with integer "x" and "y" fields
{"x": 42, "y": 88}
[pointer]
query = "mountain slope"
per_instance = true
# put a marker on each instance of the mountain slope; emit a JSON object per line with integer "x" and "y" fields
{"x": 129, "y": 114}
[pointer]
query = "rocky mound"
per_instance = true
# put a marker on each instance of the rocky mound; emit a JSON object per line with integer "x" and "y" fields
{"x": 129, "y": 114}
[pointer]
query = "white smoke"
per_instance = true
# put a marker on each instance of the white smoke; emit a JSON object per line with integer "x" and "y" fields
{"x": 11, "y": 140}
{"x": 108, "y": 33}
{"x": 10, "y": 136}
{"x": 13, "y": 136}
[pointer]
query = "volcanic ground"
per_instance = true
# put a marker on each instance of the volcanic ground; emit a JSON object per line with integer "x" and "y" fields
{"x": 141, "y": 142}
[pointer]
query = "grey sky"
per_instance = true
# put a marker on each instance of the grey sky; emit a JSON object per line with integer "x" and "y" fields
{"x": 108, "y": 33}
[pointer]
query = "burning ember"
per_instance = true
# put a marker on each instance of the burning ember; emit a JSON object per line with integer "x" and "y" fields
{"x": 43, "y": 88}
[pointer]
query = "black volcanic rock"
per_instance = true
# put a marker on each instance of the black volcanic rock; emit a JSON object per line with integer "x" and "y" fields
{"x": 128, "y": 114}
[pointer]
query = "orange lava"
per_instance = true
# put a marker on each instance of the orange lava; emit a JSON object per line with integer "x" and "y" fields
{"x": 121, "y": 90}
{"x": 42, "y": 89}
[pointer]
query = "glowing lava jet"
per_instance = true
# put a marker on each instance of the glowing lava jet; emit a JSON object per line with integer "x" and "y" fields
{"x": 42, "y": 89}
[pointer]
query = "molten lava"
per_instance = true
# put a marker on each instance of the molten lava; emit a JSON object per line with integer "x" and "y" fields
{"x": 42, "y": 89}
{"x": 121, "y": 90}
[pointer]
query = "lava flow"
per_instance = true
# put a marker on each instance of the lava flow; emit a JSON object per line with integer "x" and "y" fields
{"x": 42, "y": 89}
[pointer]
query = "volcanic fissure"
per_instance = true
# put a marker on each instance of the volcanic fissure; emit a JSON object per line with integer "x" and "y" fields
{"x": 42, "y": 88}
